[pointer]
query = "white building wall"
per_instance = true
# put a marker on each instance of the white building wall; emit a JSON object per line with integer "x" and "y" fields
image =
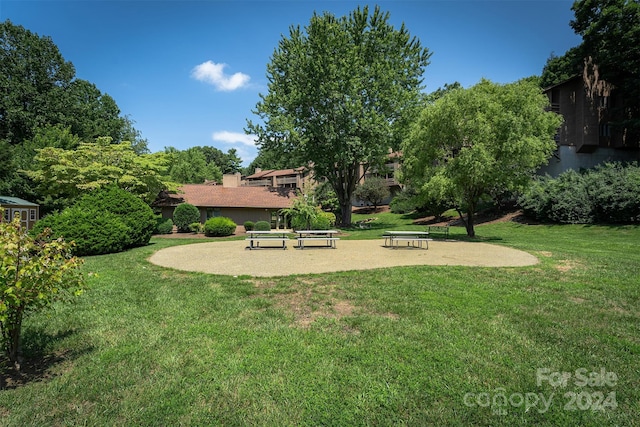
{"x": 566, "y": 157}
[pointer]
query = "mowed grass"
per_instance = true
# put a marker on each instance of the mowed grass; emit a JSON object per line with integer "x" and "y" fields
{"x": 399, "y": 346}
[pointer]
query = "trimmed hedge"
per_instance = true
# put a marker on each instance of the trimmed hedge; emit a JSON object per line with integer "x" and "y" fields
{"x": 94, "y": 233}
{"x": 132, "y": 210}
{"x": 248, "y": 225}
{"x": 262, "y": 226}
{"x": 609, "y": 193}
{"x": 164, "y": 226}
{"x": 219, "y": 227}
{"x": 104, "y": 221}
{"x": 184, "y": 215}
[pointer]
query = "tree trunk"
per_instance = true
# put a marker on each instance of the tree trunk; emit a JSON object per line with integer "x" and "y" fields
{"x": 345, "y": 212}
{"x": 344, "y": 184}
{"x": 471, "y": 232}
{"x": 11, "y": 334}
{"x": 469, "y": 222}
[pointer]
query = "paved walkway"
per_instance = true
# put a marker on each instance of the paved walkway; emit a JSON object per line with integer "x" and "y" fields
{"x": 231, "y": 257}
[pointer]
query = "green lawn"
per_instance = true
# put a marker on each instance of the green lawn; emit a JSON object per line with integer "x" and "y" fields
{"x": 400, "y": 346}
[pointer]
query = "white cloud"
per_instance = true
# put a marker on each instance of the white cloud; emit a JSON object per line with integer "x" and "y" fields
{"x": 235, "y": 138}
{"x": 210, "y": 72}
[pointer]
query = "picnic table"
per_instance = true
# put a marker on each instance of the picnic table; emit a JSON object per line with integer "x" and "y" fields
{"x": 414, "y": 239}
{"x": 255, "y": 237}
{"x": 327, "y": 237}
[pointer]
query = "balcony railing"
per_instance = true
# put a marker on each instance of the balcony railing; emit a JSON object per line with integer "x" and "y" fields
{"x": 258, "y": 183}
{"x": 286, "y": 180}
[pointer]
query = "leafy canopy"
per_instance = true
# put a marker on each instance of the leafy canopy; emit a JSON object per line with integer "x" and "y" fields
{"x": 340, "y": 93}
{"x": 64, "y": 175}
{"x": 373, "y": 190}
{"x": 40, "y": 92}
{"x": 191, "y": 167}
{"x": 471, "y": 142}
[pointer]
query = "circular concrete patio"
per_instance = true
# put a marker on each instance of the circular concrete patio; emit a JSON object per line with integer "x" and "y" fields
{"x": 232, "y": 257}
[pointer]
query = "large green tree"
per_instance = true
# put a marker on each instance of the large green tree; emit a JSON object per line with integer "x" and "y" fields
{"x": 191, "y": 167}
{"x": 340, "y": 93}
{"x": 38, "y": 89}
{"x": 65, "y": 175}
{"x": 228, "y": 162}
{"x": 472, "y": 142}
{"x": 33, "y": 80}
{"x": 560, "y": 68}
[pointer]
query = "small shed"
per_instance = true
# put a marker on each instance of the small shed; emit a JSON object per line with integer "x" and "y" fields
{"x": 29, "y": 212}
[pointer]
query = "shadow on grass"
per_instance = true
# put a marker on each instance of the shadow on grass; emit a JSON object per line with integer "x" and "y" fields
{"x": 35, "y": 360}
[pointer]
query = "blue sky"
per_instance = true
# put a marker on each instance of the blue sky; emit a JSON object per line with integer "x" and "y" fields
{"x": 189, "y": 72}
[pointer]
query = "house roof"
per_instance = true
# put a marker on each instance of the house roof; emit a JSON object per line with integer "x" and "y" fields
{"x": 563, "y": 82}
{"x": 6, "y": 200}
{"x": 271, "y": 173}
{"x": 217, "y": 196}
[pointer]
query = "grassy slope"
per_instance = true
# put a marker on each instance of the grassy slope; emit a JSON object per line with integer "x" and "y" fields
{"x": 150, "y": 346}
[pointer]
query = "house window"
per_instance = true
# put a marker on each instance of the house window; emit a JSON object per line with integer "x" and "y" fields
{"x": 32, "y": 214}
{"x": 604, "y": 102}
{"x": 7, "y": 214}
{"x": 213, "y": 212}
{"x": 555, "y": 100}
{"x": 605, "y": 130}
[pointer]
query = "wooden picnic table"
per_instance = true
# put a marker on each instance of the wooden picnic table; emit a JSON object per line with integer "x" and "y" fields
{"x": 278, "y": 236}
{"x": 325, "y": 236}
{"x": 414, "y": 239}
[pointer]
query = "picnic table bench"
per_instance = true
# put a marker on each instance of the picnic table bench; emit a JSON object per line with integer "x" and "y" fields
{"x": 440, "y": 229}
{"x": 325, "y": 236}
{"x": 255, "y": 237}
{"x": 414, "y": 239}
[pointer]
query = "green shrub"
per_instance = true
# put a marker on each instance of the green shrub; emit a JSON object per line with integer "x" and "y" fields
{"x": 184, "y": 215}
{"x": 302, "y": 212}
{"x": 569, "y": 200}
{"x": 132, "y": 210}
{"x": 219, "y": 226}
{"x": 615, "y": 190}
{"x": 262, "y": 226}
{"x": 609, "y": 193}
{"x": 248, "y": 225}
{"x": 323, "y": 221}
{"x": 93, "y": 232}
{"x": 164, "y": 226}
{"x": 564, "y": 199}
{"x": 104, "y": 221}
{"x": 196, "y": 227}
{"x": 404, "y": 202}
